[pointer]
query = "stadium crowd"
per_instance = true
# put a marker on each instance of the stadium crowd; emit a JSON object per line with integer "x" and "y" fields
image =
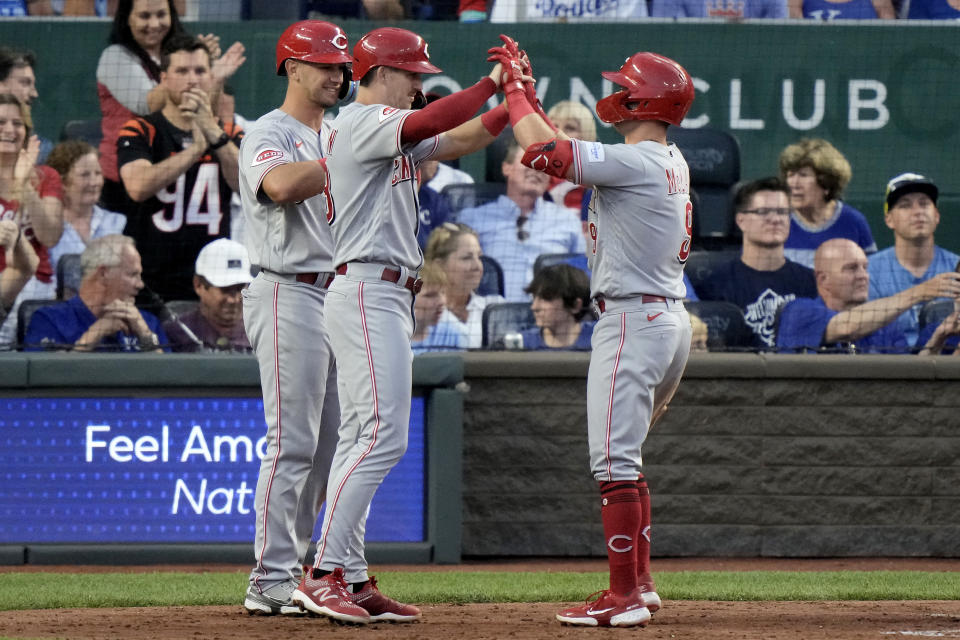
{"x": 505, "y": 260}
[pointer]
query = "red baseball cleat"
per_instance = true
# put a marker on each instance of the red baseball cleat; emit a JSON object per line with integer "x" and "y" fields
{"x": 381, "y": 608}
{"x": 328, "y": 596}
{"x": 608, "y": 610}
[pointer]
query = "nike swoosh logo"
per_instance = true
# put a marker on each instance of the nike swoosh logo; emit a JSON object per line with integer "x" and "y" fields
{"x": 298, "y": 144}
{"x": 596, "y": 612}
{"x": 653, "y": 316}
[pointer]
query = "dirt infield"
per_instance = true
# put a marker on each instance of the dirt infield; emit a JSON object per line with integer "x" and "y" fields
{"x": 677, "y": 620}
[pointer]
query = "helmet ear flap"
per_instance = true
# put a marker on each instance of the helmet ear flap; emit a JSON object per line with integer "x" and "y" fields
{"x": 419, "y": 101}
{"x": 348, "y": 88}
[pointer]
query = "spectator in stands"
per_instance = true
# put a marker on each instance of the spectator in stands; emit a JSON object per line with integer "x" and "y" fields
{"x": 942, "y": 338}
{"x": 816, "y": 173}
{"x": 102, "y": 316}
{"x": 728, "y": 9}
{"x": 128, "y": 76}
{"x": 841, "y": 313}
{"x": 434, "y": 210}
{"x": 78, "y": 164}
{"x": 18, "y": 261}
{"x": 30, "y": 196}
{"x": 364, "y": 10}
{"x": 565, "y": 10}
{"x": 575, "y": 120}
{"x": 517, "y": 227}
{"x": 430, "y": 333}
{"x": 561, "y": 304}
{"x": 932, "y": 10}
{"x": 698, "y": 340}
{"x": 18, "y": 76}
{"x": 180, "y": 165}
{"x": 910, "y": 210}
{"x": 221, "y": 274}
{"x": 828, "y": 10}
{"x": 761, "y": 280}
{"x": 472, "y": 10}
{"x": 456, "y": 249}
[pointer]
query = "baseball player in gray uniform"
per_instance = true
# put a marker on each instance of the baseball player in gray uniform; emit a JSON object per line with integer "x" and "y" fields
{"x": 640, "y": 222}
{"x": 283, "y": 189}
{"x": 374, "y": 149}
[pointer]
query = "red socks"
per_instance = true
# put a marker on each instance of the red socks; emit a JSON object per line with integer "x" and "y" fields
{"x": 621, "y": 514}
{"x": 643, "y": 540}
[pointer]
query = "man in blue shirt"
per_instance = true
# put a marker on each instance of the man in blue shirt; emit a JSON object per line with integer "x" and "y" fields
{"x": 517, "y": 227}
{"x": 841, "y": 317}
{"x": 910, "y": 210}
{"x": 102, "y": 316}
{"x": 761, "y": 280}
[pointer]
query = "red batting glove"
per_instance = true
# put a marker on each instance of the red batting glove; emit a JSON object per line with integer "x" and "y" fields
{"x": 512, "y": 69}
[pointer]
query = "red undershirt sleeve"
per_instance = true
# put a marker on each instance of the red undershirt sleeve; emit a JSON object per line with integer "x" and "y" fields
{"x": 446, "y": 113}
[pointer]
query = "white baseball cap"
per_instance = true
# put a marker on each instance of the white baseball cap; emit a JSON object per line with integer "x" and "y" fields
{"x": 224, "y": 263}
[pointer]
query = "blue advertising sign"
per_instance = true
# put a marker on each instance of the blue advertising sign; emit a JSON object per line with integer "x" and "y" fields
{"x": 161, "y": 470}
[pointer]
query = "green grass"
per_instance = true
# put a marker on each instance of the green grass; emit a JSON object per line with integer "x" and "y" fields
{"x": 59, "y": 590}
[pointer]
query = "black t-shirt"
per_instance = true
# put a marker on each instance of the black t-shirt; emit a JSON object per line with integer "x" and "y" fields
{"x": 171, "y": 227}
{"x": 759, "y": 294}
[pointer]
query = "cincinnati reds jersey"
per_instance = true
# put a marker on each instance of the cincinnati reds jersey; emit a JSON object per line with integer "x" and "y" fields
{"x": 172, "y": 226}
{"x": 373, "y": 186}
{"x": 640, "y": 217}
{"x": 287, "y": 238}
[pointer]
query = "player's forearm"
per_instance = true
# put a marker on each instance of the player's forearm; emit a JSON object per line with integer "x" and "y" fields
{"x": 530, "y": 128}
{"x": 469, "y": 137}
{"x": 294, "y": 182}
{"x": 863, "y": 320}
{"x": 446, "y": 113}
{"x": 143, "y": 180}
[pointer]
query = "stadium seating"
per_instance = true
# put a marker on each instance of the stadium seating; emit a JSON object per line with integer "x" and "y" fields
{"x": 503, "y": 318}
{"x": 25, "y": 312}
{"x": 491, "y": 284}
{"x": 465, "y": 195}
{"x": 726, "y": 328}
{"x": 577, "y": 260}
{"x": 701, "y": 265}
{"x": 714, "y": 160}
{"x": 68, "y": 276}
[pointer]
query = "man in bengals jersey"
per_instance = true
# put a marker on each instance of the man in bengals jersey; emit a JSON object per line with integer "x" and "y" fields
{"x": 179, "y": 165}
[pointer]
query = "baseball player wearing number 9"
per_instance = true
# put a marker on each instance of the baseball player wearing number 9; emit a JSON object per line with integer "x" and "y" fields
{"x": 640, "y": 221}
{"x": 283, "y": 184}
{"x": 374, "y": 149}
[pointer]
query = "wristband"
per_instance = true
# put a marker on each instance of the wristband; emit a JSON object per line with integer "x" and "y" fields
{"x": 495, "y": 120}
{"x": 519, "y": 107}
{"x": 221, "y": 141}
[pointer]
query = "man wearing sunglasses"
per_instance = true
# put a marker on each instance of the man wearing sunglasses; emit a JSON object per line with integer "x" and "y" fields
{"x": 761, "y": 280}
{"x": 519, "y": 226}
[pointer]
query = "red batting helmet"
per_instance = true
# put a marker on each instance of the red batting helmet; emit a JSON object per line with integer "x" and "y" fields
{"x": 313, "y": 41}
{"x": 655, "y": 88}
{"x": 391, "y": 47}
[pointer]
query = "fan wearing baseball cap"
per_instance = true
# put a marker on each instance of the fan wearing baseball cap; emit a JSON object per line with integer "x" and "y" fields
{"x": 221, "y": 273}
{"x": 910, "y": 211}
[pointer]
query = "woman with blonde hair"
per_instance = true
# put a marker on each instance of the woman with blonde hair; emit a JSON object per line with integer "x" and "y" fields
{"x": 30, "y": 196}
{"x": 456, "y": 249}
{"x": 816, "y": 174}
